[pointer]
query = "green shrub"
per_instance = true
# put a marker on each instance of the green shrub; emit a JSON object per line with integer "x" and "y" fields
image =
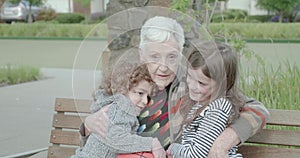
{"x": 18, "y": 74}
{"x": 260, "y": 18}
{"x": 244, "y": 30}
{"x": 46, "y": 15}
{"x": 97, "y": 17}
{"x": 258, "y": 30}
{"x": 45, "y": 29}
{"x": 233, "y": 14}
{"x": 68, "y": 18}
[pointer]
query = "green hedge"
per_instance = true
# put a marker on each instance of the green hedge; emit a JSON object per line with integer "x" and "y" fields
{"x": 259, "y": 30}
{"x": 45, "y": 29}
{"x": 69, "y": 18}
{"x": 259, "y": 18}
{"x": 236, "y": 15}
{"x": 245, "y": 30}
{"x": 231, "y": 14}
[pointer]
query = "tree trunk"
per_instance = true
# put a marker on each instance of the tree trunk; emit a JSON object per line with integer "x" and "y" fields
{"x": 280, "y": 18}
{"x": 29, "y": 18}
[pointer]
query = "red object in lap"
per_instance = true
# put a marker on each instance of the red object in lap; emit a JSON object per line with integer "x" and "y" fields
{"x": 136, "y": 155}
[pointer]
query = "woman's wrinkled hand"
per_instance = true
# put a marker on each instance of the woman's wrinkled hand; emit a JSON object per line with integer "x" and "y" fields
{"x": 97, "y": 122}
{"x": 157, "y": 150}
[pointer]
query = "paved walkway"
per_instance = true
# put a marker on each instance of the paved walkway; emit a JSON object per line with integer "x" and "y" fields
{"x": 26, "y": 109}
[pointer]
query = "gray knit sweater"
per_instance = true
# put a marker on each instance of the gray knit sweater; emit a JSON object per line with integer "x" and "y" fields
{"x": 121, "y": 133}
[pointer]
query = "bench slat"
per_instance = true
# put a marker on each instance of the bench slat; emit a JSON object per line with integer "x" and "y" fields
{"x": 72, "y": 105}
{"x": 60, "y": 152}
{"x": 65, "y": 137}
{"x": 268, "y": 152}
{"x": 279, "y": 137}
{"x": 67, "y": 121}
{"x": 284, "y": 117}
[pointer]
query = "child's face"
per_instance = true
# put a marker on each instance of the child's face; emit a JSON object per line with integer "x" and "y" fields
{"x": 139, "y": 95}
{"x": 200, "y": 86}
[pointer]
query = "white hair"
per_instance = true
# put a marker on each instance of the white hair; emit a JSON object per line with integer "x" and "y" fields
{"x": 161, "y": 29}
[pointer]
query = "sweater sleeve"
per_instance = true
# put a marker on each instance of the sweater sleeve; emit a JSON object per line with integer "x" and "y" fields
{"x": 121, "y": 135}
{"x": 253, "y": 118}
{"x": 199, "y": 142}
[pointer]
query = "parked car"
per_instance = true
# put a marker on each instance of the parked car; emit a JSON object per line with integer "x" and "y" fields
{"x": 18, "y": 11}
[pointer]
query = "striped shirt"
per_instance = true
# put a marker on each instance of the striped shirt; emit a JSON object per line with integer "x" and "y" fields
{"x": 198, "y": 137}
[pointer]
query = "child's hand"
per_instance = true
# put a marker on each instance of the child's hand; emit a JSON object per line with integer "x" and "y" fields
{"x": 157, "y": 150}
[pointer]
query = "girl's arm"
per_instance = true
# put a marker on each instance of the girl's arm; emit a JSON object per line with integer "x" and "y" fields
{"x": 209, "y": 128}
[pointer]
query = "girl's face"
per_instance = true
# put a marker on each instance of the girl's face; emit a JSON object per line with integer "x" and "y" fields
{"x": 200, "y": 86}
{"x": 139, "y": 95}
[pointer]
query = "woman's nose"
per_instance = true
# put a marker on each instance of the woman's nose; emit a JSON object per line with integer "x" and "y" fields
{"x": 163, "y": 68}
{"x": 163, "y": 65}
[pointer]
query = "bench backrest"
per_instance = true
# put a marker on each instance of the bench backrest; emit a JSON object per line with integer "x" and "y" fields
{"x": 64, "y": 136}
{"x": 282, "y": 136}
{"x": 70, "y": 113}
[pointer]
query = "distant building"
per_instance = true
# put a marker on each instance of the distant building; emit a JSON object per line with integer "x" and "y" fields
{"x": 70, "y": 6}
{"x": 98, "y": 6}
{"x": 247, "y": 5}
{"x": 61, "y": 6}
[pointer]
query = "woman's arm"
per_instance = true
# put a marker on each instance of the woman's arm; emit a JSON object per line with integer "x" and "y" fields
{"x": 96, "y": 123}
{"x": 251, "y": 120}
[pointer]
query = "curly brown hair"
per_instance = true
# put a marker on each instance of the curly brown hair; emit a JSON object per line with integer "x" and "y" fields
{"x": 123, "y": 76}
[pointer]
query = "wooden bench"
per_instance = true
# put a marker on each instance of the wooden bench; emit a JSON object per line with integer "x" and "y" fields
{"x": 282, "y": 143}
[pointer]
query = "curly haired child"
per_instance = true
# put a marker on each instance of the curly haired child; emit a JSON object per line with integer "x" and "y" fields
{"x": 126, "y": 89}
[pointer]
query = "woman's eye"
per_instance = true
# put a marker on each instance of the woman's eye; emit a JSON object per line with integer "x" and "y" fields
{"x": 154, "y": 56}
{"x": 173, "y": 56}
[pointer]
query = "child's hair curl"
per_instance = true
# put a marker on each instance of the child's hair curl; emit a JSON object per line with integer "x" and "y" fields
{"x": 123, "y": 76}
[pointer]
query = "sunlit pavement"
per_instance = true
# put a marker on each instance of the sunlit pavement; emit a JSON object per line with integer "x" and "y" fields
{"x": 26, "y": 110}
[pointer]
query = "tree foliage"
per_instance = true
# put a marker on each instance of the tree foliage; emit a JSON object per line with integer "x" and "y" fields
{"x": 280, "y": 7}
{"x": 202, "y": 11}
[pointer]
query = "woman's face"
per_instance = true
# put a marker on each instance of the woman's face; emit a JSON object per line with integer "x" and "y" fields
{"x": 162, "y": 60}
{"x": 139, "y": 95}
{"x": 200, "y": 86}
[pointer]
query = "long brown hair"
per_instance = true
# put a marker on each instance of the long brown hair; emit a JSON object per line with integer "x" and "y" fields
{"x": 219, "y": 62}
